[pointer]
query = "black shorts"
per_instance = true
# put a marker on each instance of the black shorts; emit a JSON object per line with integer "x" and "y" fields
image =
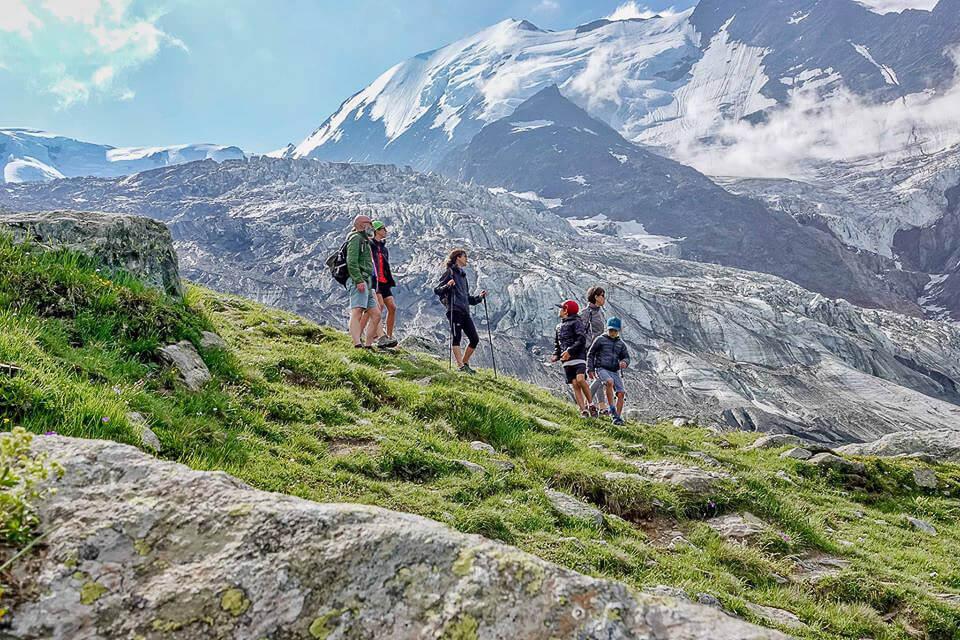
{"x": 463, "y": 324}
{"x": 384, "y": 290}
{"x": 573, "y": 371}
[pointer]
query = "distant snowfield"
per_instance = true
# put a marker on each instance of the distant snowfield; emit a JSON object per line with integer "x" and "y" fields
{"x": 632, "y": 232}
{"x": 897, "y": 6}
{"x": 30, "y": 155}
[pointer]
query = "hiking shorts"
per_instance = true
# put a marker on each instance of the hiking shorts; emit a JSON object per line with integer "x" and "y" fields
{"x": 574, "y": 370}
{"x": 385, "y": 290}
{"x": 365, "y": 300}
{"x": 463, "y": 324}
{"x": 605, "y": 376}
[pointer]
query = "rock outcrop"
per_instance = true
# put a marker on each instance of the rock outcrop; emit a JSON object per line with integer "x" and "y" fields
{"x": 142, "y": 548}
{"x": 942, "y": 445}
{"x": 140, "y": 246}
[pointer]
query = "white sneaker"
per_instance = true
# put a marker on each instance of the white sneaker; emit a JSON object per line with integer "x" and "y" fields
{"x": 385, "y": 342}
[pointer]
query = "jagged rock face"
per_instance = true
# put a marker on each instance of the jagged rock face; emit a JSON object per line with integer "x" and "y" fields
{"x": 907, "y": 208}
{"x": 723, "y": 347}
{"x": 137, "y": 245}
{"x": 150, "y": 549}
{"x": 582, "y": 168}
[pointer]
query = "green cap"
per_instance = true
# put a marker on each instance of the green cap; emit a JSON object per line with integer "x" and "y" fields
{"x": 378, "y": 224}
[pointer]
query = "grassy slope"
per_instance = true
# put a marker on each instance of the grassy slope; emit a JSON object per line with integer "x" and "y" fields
{"x": 293, "y": 408}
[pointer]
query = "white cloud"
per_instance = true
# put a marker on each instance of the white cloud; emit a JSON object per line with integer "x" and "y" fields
{"x": 83, "y": 11}
{"x": 69, "y": 91}
{"x": 633, "y": 11}
{"x": 547, "y": 5}
{"x": 897, "y": 6}
{"x": 81, "y": 49}
{"x": 16, "y": 17}
{"x": 103, "y": 76}
{"x": 815, "y": 129}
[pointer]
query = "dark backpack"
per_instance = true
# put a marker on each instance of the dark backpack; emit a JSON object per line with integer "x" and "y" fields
{"x": 444, "y": 297}
{"x": 337, "y": 263}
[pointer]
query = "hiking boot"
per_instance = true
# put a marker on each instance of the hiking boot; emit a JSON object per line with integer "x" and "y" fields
{"x": 466, "y": 369}
{"x": 585, "y": 413}
{"x": 594, "y": 412}
{"x": 617, "y": 420}
{"x": 386, "y": 342}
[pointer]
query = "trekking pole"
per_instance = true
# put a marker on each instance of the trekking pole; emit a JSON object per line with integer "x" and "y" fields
{"x": 450, "y": 365}
{"x": 493, "y": 354}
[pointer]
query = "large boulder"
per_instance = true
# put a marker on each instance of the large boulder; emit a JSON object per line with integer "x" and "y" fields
{"x": 137, "y": 245}
{"x": 138, "y": 547}
{"x": 942, "y": 445}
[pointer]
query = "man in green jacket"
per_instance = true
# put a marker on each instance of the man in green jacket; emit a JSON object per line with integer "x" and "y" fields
{"x": 364, "y": 310}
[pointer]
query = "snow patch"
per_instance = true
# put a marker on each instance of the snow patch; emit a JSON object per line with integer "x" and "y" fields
{"x": 798, "y": 17}
{"x": 888, "y": 74}
{"x": 29, "y": 170}
{"x": 628, "y": 230}
{"x": 529, "y": 196}
{"x": 897, "y": 6}
{"x": 578, "y": 179}
{"x": 622, "y": 159}
{"x": 530, "y": 125}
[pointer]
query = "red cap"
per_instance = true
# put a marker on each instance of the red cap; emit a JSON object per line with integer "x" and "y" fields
{"x": 570, "y": 305}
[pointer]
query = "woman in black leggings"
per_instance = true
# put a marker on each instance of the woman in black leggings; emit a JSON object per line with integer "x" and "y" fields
{"x": 454, "y": 291}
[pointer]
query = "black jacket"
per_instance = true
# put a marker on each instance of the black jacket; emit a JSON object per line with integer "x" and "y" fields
{"x": 379, "y": 248}
{"x": 606, "y": 353}
{"x": 459, "y": 293}
{"x": 571, "y": 337}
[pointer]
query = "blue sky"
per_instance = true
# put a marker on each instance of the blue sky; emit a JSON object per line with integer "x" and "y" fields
{"x": 255, "y": 73}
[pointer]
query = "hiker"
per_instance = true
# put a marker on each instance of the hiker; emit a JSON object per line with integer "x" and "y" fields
{"x": 385, "y": 283}
{"x": 594, "y": 321}
{"x": 607, "y": 357}
{"x": 571, "y": 349}
{"x": 364, "y": 311}
{"x": 454, "y": 292}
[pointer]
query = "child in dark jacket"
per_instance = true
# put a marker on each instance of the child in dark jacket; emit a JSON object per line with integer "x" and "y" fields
{"x": 608, "y": 355}
{"x": 571, "y": 349}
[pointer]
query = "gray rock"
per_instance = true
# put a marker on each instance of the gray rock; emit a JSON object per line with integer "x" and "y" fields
{"x": 164, "y": 546}
{"x": 921, "y": 525}
{"x": 738, "y": 527}
{"x": 503, "y": 465}
{"x": 943, "y": 445}
{"x": 797, "y": 453}
{"x": 783, "y": 475}
{"x": 814, "y": 567}
{"x": 681, "y": 422}
{"x": 147, "y": 437}
{"x": 925, "y": 478}
{"x": 483, "y": 446}
{"x": 472, "y": 467}
{"x": 836, "y": 463}
{"x": 140, "y": 246}
{"x": 571, "y": 507}
{"x": 210, "y": 340}
{"x": 692, "y": 479}
{"x": 705, "y": 458}
{"x": 547, "y": 424}
{"x": 775, "y": 441}
{"x": 668, "y": 592}
{"x": 183, "y": 357}
{"x": 781, "y": 617}
{"x": 709, "y": 600}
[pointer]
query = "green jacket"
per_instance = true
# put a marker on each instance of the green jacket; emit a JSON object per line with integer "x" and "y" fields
{"x": 359, "y": 258}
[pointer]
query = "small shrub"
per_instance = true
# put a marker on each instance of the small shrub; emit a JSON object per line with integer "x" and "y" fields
{"x": 21, "y": 473}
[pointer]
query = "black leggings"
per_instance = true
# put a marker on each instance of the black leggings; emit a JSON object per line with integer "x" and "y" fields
{"x": 463, "y": 324}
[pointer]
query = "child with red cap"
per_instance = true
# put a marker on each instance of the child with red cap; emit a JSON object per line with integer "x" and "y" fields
{"x": 571, "y": 349}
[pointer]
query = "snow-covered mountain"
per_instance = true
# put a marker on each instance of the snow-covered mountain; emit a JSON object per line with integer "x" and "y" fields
{"x": 672, "y": 80}
{"x": 581, "y": 168}
{"x": 728, "y": 347}
{"x": 29, "y": 155}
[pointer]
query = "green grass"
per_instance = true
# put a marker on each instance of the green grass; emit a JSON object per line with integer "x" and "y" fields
{"x": 294, "y": 408}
